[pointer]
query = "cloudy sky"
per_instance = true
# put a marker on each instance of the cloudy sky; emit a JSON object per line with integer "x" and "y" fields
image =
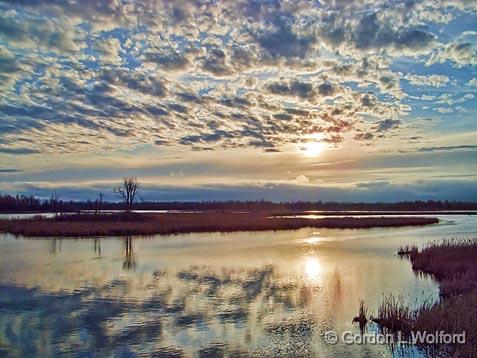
{"x": 217, "y": 99}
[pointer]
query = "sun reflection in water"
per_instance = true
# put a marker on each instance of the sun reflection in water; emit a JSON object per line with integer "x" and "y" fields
{"x": 313, "y": 268}
{"x": 312, "y": 240}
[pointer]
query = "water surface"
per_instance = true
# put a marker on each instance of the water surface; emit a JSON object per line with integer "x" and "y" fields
{"x": 234, "y": 294}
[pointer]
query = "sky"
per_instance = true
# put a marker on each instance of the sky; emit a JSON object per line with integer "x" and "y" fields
{"x": 214, "y": 99}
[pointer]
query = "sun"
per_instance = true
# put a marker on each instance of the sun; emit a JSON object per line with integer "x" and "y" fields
{"x": 313, "y": 149}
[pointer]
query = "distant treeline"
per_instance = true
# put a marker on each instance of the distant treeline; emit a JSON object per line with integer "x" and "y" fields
{"x": 21, "y": 203}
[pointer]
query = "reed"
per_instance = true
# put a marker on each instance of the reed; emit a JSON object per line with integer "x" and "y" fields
{"x": 85, "y": 225}
{"x": 453, "y": 263}
{"x": 362, "y": 317}
{"x": 394, "y": 314}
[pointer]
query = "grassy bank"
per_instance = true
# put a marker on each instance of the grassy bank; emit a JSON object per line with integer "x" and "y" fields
{"x": 454, "y": 264}
{"x": 169, "y": 223}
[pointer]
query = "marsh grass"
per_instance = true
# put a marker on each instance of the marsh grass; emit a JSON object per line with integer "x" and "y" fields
{"x": 394, "y": 314}
{"x": 121, "y": 224}
{"x": 362, "y": 317}
{"x": 453, "y": 263}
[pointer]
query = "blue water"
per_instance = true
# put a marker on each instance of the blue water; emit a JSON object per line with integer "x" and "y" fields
{"x": 233, "y": 294}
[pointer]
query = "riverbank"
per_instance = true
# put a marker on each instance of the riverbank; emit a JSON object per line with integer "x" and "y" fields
{"x": 120, "y": 224}
{"x": 454, "y": 264}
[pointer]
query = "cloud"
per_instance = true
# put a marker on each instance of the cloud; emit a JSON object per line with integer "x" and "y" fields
{"x": 8, "y": 64}
{"x": 445, "y": 110}
{"x": 146, "y": 83}
{"x": 167, "y": 60}
{"x": 281, "y": 41}
{"x": 302, "y": 179}
{"x": 292, "y": 88}
{"x": 32, "y": 31}
{"x": 371, "y": 191}
{"x": 19, "y": 151}
{"x": 368, "y": 100}
{"x": 432, "y": 80}
{"x": 215, "y": 62}
{"x": 363, "y": 136}
{"x": 301, "y": 89}
{"x": 326, "y": 89}
{"x": 375, "y": 32}
{"x": 448, "y": 148}
{"x": 379, "y": 129}
{"x": 375, "y": 185}
{"x": 96, "y": 77}
{"x": 387, "y": 124}
{"x": 461, "y": 52}
{"x": 109, "y": 50}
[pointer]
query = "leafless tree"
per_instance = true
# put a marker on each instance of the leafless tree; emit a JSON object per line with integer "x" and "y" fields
{"x": 55, "y": 204}
{"x": 128, "y": 191}
{"x": 98, "y": 204}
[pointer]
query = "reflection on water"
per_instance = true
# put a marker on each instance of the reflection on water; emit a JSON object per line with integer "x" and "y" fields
{"x": 237, "y": 294}
{"x": 97, "y": 247}
{"x": 129, "y": 263}
{"x": 55, "y": 246}
{"x": 312, "y": 268}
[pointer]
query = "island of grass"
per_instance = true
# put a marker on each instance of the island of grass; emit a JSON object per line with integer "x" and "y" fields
{"x": 122, "y": 224}
{"x": 454, "y": 264}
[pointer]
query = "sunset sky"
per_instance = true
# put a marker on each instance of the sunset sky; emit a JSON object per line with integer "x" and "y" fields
{"x": 213, "y": 100}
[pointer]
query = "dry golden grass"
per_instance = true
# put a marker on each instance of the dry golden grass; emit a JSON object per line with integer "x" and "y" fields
{"x": 454, "y": 264}
{"x": 169, "y": 223}
{"x": 394, "y": 314}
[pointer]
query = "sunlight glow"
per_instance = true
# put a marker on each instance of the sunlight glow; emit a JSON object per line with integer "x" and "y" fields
{"x": 312, "y": 240}
{"x": 312, "y": 268}
{"x": 313, "y": 149}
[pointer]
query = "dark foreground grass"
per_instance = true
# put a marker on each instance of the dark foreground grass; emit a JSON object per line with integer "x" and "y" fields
{"x": 454, "y": 264}
{"x": 170, "y": 223}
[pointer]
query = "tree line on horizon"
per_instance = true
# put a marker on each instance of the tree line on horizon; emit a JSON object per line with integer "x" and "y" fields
{"x": 24, "y": 203}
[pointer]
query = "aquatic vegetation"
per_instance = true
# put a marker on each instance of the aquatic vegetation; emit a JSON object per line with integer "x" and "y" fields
{"x": 122, "y": 224}
{"x": 362, "y": 317}
{"x": 394, "y": 314}
{"x": 453, "y": 263}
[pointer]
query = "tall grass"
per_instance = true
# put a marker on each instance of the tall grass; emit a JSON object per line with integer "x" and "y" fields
{"x": 454, "y": 264}
{"x": 394, "y": 314}
{"x": 169, "y": 223}
{"x": 362, "y": 317}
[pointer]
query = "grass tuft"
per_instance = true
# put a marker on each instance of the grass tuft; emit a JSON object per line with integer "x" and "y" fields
{"x": 362, "y": 317}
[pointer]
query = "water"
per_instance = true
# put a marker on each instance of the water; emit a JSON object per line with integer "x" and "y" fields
{"x": 234, "y": 294}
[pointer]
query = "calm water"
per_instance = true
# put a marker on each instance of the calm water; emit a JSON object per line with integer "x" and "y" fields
{"x": 235, "y": 294}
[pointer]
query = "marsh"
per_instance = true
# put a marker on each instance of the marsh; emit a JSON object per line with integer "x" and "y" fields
{"x": 207, "y": 294}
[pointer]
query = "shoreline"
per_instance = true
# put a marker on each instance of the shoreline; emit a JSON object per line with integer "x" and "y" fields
{"x": 280, "y": 212}
{"x": 134, "y": 224}
{"x": 453, "y": 264}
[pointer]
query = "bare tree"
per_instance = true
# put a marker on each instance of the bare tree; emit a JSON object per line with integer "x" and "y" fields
{"x": 55, "y": 204}
{"x": 127, "y": 191}
{"x": 98, "y": 204}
